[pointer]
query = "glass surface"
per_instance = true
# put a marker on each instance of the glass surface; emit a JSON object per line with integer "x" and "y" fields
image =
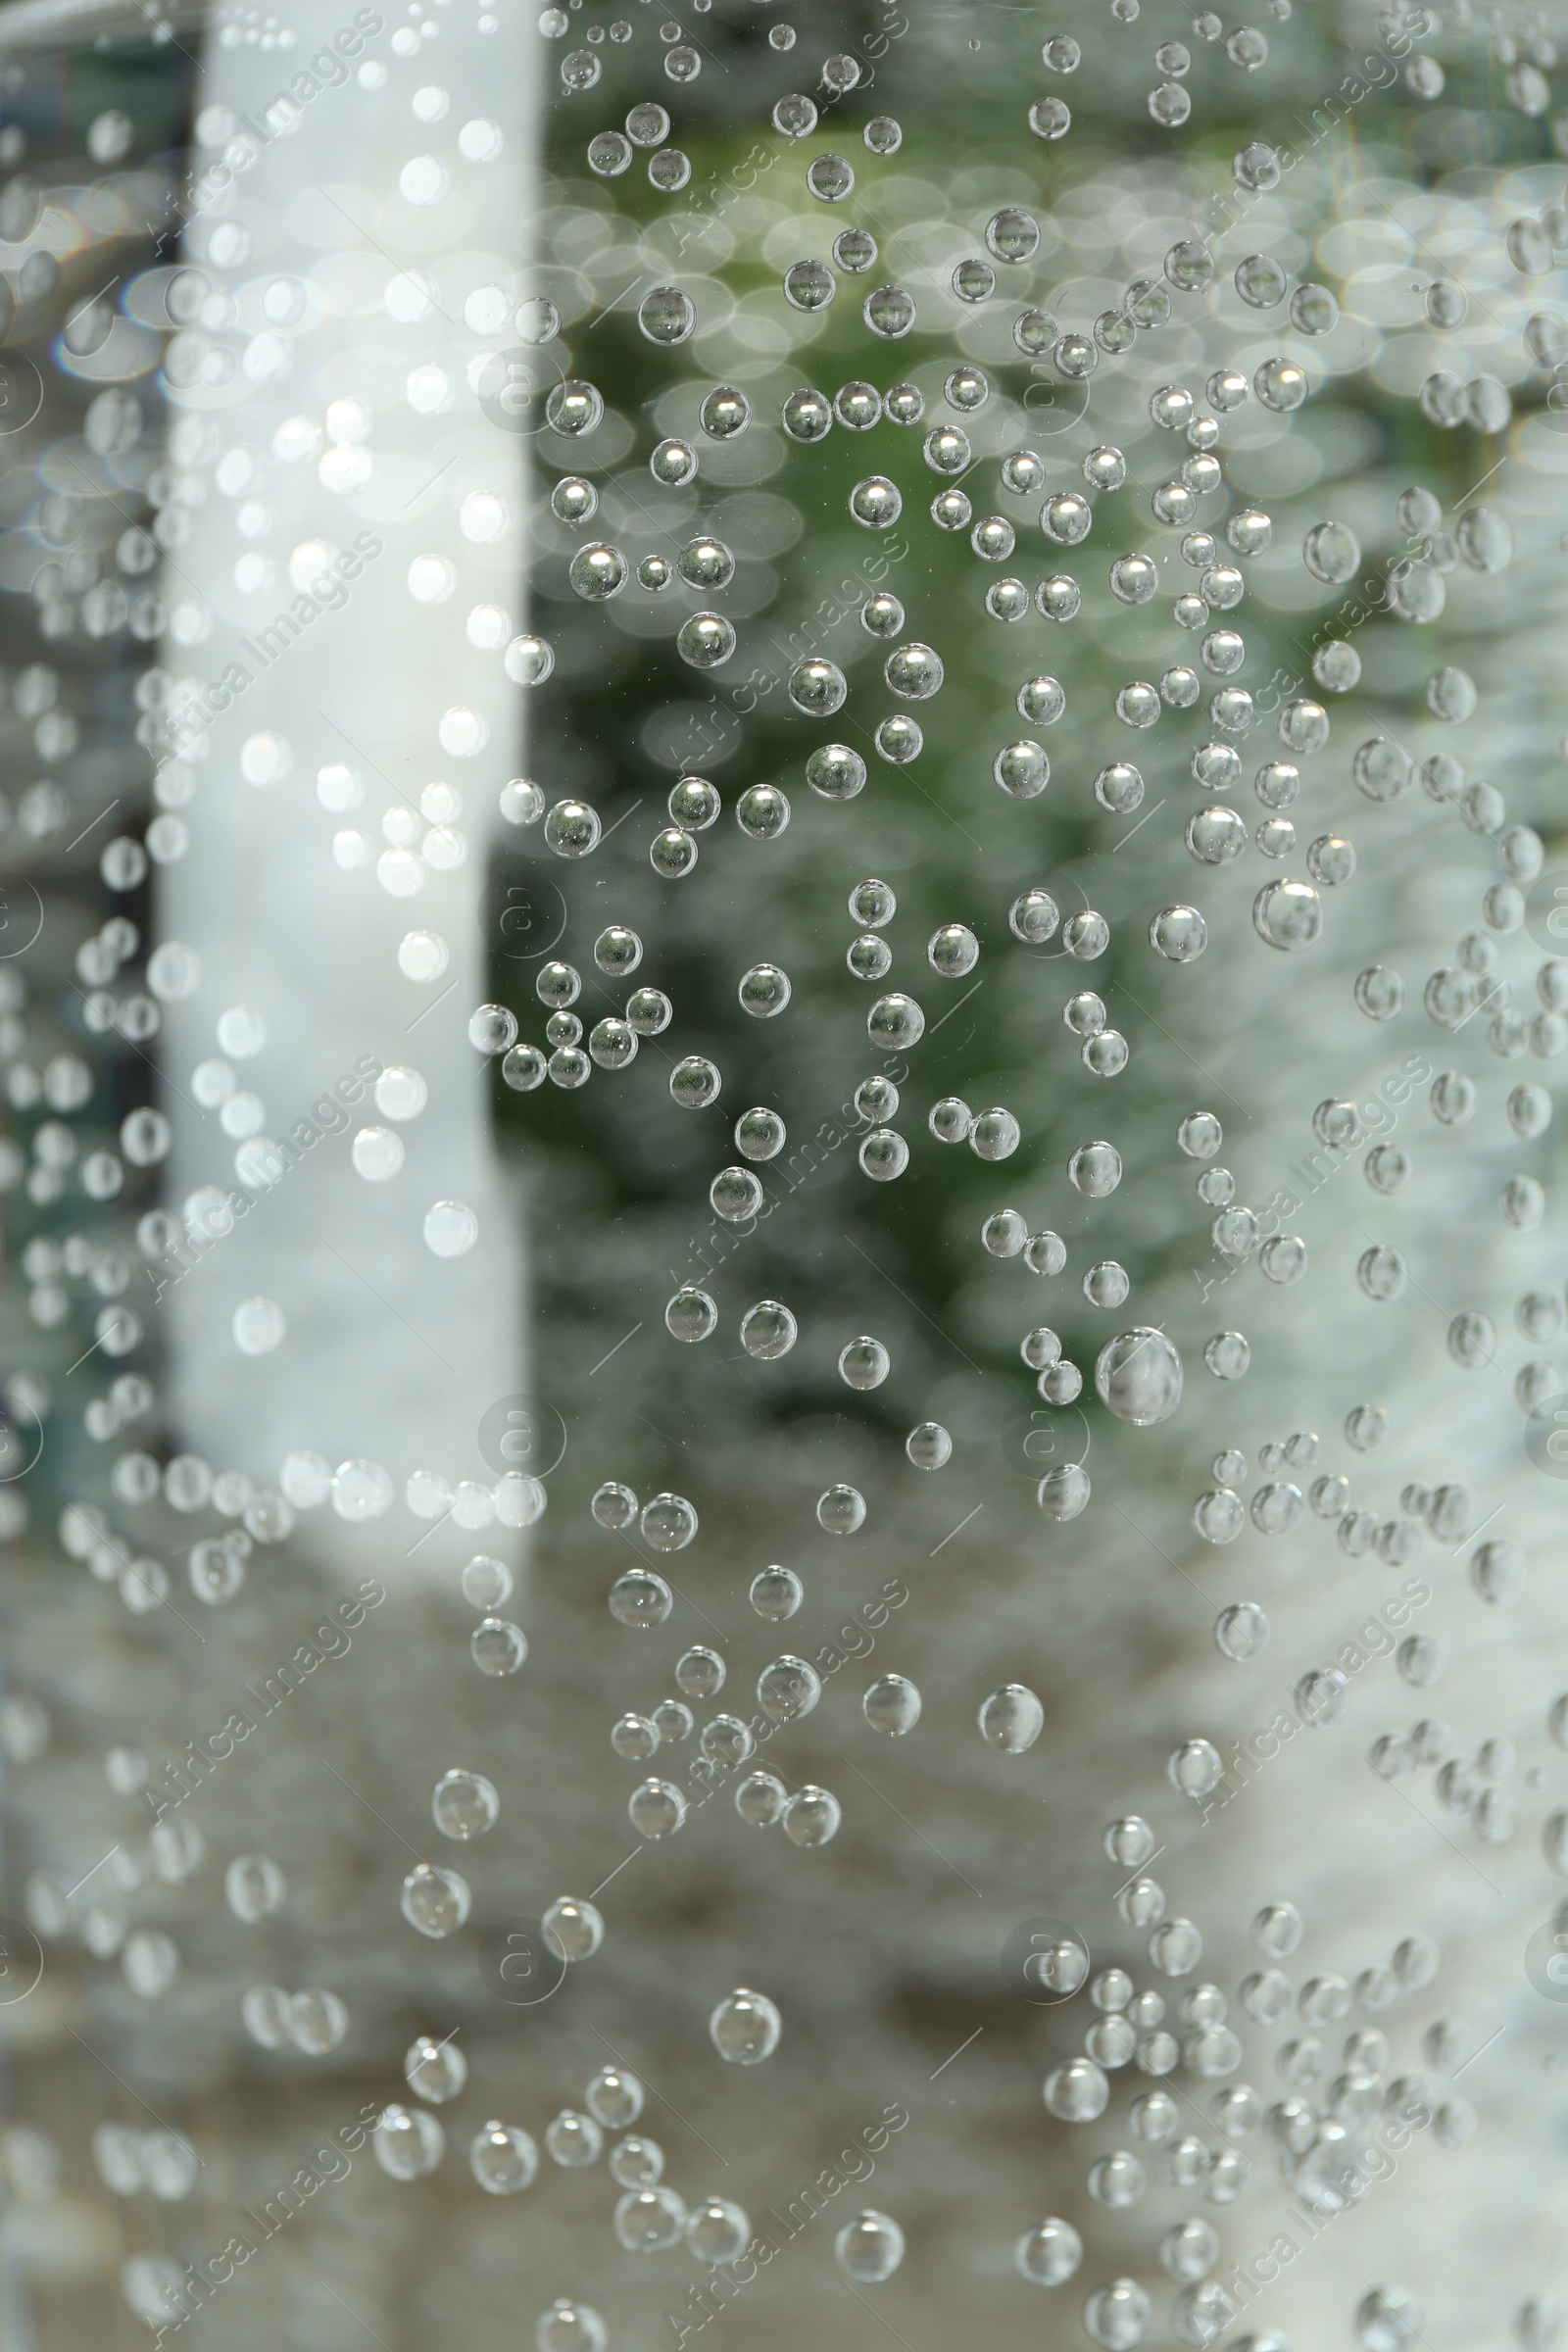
{"x": 782, "y": 964}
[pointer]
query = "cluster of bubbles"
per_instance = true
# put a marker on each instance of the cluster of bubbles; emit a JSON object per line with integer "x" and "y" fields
{"x": 1319, "y": 2134}
{"x": 1138, "y": 1375}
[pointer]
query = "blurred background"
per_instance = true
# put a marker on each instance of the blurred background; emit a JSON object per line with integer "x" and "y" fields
{"x": 275, "y": 330}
